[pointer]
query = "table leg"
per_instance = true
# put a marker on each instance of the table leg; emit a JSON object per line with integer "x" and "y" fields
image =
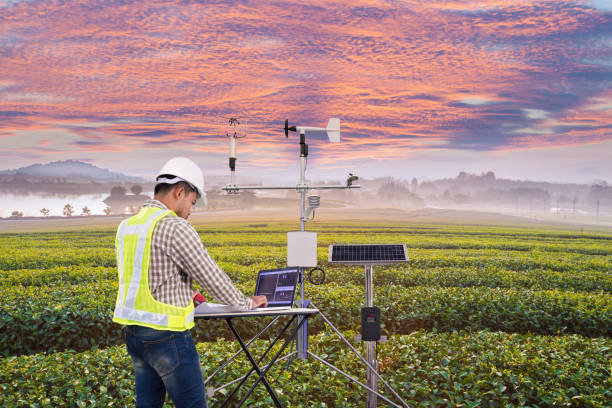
{"x": 255, "y": 364}
{"x": 262, "y": 375}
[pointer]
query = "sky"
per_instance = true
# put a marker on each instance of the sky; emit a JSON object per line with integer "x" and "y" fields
{"x": 423, "y": 89}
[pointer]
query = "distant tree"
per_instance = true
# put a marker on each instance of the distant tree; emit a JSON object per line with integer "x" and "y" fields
{"x": 45, "y": 212}
{"x": 107, "y": 211}
{"x": 463, "y": 176}
{"x": 68, "y": 210}
{"x": 17, "y": 214}
{"x": 118, "y": 191}
{"x": 86, "y": 211}
{"x": 489, "y": 175}
{"x": 392, "y": 189}
{"x": 136, "y": 189}
{"x": 600, "y": 192}
{"x": 414, "y": 184}
{"x": 397, "y": 191}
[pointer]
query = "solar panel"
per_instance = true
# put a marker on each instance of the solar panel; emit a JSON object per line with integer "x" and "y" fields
{"x": 368, "y": 254}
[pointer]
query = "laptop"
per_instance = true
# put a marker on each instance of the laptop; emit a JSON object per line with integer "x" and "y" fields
{"x": 278, "y": 286}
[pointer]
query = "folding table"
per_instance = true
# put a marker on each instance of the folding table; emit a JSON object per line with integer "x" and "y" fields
{"x": 228, "y": 316}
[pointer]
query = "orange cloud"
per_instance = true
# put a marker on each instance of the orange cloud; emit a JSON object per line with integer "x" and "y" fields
{"x": 403, "y": 77}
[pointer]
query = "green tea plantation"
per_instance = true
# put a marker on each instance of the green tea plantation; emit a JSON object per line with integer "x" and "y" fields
{"x": 480, "y": 317}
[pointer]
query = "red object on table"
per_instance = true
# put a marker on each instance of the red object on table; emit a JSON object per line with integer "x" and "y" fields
{"x": 198, "y": 299}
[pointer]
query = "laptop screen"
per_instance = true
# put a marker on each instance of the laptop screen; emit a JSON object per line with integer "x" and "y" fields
{"x": 278, "y": 285}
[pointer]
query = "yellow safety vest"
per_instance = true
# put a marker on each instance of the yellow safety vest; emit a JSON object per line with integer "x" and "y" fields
{"x": 135, "y": 304}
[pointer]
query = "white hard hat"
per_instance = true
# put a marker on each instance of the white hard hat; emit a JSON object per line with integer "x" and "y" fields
{"x": 185, "y": 170}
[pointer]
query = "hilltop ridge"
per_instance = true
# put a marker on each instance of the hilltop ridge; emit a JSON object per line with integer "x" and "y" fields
{"x": 74, "y": 171}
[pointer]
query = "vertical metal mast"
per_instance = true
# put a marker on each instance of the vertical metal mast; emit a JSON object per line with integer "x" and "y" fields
{"x": 371, "y": 377}
{"x": 232, "y": 160}
{"x": 333, "y": 133}
{"x": 302, "y": 186}
{"x": 302, "y": 337}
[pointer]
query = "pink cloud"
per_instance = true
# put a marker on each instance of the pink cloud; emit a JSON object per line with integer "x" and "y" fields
{"x": 403, "y": 78}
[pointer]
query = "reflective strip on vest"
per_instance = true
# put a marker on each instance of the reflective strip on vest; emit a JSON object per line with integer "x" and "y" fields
{"x": 156, "y": 319}
{"x": 162, "y": 316}
{"x": 140, "y": 230}
{"x": 128, "y": 313}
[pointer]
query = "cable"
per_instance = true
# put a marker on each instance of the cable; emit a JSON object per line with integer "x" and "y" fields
{"x": 316, "y": 281}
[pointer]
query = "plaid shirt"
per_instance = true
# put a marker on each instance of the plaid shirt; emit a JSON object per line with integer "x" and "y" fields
{"x": 178, "y": 257}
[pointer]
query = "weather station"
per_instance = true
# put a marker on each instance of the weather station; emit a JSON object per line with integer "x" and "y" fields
{"x": 302, "y": 255}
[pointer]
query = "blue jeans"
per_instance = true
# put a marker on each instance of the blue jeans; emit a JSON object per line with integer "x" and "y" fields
{"x": 165, "y": 361}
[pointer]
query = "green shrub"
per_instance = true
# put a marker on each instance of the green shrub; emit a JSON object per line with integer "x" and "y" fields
{"x": 79, "y": 317}
{"x": 428, "y": 369}
{"x": 406, "y": 309}
{"x": 58, "y": 275}
{"x": 469, "y": 276}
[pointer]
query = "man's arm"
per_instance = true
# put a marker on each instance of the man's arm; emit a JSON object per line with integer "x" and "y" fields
{"x": 188, "y": 249}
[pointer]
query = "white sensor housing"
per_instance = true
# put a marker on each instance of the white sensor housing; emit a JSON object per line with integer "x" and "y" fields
{"x": 302, "y": 248}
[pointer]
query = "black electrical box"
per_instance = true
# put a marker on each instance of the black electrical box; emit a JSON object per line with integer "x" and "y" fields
{"x": 370, "y": 323}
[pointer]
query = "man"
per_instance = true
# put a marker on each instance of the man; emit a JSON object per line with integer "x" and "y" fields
{"x": 159, "y": 255}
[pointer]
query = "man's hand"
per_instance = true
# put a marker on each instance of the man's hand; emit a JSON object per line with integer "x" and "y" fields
{"x": 259, "y": 301}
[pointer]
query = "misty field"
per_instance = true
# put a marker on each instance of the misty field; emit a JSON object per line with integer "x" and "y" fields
{"x": 480, "y": 316}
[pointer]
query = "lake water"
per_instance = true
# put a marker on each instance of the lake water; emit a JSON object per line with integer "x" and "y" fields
{"x": 31, "y": 204}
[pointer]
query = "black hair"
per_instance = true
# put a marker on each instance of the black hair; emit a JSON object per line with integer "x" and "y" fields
{"x": 164, "y": 188}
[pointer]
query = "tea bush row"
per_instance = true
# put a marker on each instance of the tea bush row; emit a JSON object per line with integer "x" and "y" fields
{"x": 433, "y": 246}
{"x": 443, "y": 237}
{"x": 486, "y": 369}
{"x": 485, "y": 276}
{"x": 403, "y": 275}
{"x": 523, "y": 311}
{"x": 58, "y": 275}
{"x": 43, "y": 258}
{"x": 34, "y": 319}
{"x": 249, "y": 255}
